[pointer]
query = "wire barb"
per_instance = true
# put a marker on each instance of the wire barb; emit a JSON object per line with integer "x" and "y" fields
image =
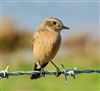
{"x": 4, "y": 73}
{"x": 69, "y": 72}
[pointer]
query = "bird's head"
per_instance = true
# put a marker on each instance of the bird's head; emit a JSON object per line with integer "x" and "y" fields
{"x": 54, "y": 24}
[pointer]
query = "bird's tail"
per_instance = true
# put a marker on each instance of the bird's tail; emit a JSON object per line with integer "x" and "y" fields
{"x": 35, "y": 76}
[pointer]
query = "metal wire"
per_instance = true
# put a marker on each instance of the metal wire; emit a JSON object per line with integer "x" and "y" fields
{"x": 70, "y": 72}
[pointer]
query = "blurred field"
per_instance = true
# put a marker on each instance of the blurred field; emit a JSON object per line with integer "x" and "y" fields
{"x": 79, "y": 50}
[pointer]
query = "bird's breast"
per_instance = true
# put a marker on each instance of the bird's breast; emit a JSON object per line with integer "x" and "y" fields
{"x": 46, "y": 46}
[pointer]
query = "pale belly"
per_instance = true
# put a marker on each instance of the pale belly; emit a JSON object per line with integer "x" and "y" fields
{"x": 45, "y": 48}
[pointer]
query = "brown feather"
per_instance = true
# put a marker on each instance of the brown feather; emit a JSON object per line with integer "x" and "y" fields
{"x": 45, "y": 46}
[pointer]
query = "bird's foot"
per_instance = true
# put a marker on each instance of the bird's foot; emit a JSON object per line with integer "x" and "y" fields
{"x": 42, "y": 73}
{"x": 58, "y": 73}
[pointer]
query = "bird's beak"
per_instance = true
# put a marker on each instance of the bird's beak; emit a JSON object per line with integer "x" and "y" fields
{"x": 64, "y": 27}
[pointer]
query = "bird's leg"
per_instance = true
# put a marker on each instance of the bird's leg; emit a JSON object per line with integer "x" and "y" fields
{"x": 41, "y": 69}
{"x": 58, "y": 70}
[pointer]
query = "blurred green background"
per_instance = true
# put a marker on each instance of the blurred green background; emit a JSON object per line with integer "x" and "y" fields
{"x": 80, "y": 46}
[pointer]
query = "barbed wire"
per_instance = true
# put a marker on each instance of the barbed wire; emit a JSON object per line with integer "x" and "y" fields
{"x": 68, "y": 72}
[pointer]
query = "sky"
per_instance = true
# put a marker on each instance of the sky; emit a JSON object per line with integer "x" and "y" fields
{"x": 74, "y": 14}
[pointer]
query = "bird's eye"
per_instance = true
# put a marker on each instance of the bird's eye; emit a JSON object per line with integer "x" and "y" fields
{"x": 54, "y": 22}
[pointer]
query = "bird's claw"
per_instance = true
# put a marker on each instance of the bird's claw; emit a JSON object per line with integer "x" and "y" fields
{"x": 42, "y": 73}
{"x": 58, "y": 73}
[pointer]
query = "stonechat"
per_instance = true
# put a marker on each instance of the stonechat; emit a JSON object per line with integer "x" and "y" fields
{"x": 46, "y": 42}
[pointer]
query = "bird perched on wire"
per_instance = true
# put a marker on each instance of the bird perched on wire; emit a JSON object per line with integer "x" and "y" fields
{"x": 46, "y": 42}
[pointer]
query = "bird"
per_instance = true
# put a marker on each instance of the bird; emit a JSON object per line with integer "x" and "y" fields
{"x": 46, "y": 43}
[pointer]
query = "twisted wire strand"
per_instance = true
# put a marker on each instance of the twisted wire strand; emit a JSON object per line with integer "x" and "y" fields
{"x": 71, "y": 72}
